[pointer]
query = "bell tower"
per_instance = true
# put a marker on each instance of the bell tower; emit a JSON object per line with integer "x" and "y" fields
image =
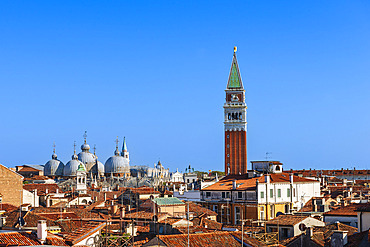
{"x": 235, "y": 123}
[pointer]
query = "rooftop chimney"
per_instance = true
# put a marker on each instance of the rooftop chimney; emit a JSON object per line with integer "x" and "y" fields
{"x": 41, "y": 231}
{"x": 267, "y": 178}
{"x": 291, "y": 178}
{"x": 309, "y": 232}
{"x": 234, "y": 184}
{"x": 338, "y": 238}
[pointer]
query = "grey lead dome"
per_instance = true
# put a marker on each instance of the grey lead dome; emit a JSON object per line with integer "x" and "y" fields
{"x": 54, "y": 167}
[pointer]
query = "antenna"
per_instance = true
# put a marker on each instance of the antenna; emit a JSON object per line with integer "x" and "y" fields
{"x": 268, "y": 155}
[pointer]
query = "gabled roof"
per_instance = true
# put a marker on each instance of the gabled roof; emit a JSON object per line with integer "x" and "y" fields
{"x": 235, "y": 80}
{"x": 86, "y": 229}
{"x": 328, "y": 230}
{"x": 28, "y": 238}
{"x": 198, "y": 210}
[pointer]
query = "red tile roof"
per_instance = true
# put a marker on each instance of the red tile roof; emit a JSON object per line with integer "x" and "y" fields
{"x": 28, "y": 238}
{"x": 214, "y": 239}
{"x": 197, "y": 210}
{"x": 244, "y": 183}
{"x": 348, "y": 210}
{"x": 78, "y": 234}
{"x": 7, "y": 207}
{"x": 359, "y": 239}
{"x": 41, "y": 188}
{"x": 58, "y": 215}
{"x": 17, "y": 238}
{"x": 286, "y": 220}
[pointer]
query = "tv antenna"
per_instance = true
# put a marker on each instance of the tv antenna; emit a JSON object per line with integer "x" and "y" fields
{"x": 268, "y": 155}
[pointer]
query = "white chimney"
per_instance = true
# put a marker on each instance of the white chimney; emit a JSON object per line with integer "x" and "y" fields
{"x": 291, "y": 178}
{"x": 267, "y": 178}
{"x": 41, "y": 231}
{"x": 234, "y": 184}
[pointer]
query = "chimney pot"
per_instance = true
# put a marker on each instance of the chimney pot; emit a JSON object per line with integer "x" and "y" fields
{"x": 234, "y": 184}
{"x": 41, "y": 231}
{"x": 267, "y": 178}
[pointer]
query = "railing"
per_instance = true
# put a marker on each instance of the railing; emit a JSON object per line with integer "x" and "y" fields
{"x": 268, "y": 238}
{"x": 112, "y": 241}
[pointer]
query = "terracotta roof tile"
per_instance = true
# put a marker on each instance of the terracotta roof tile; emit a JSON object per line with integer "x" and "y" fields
{"x": 214, "y": 239}
{"x": 286, "y": 220}
{"x": 41, "y": 188}
{"x": 197, "y": 210}
{"x": 244, "y": 183}
{"x": 348, "y": 210}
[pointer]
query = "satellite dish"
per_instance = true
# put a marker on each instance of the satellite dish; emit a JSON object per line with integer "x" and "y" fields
{"x": 302, "y": 227}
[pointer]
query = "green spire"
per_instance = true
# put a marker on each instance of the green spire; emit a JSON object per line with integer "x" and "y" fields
{"x": 81, "y": 168}
{"x": 124, "y": 147}
{"x": 235, "y": 81}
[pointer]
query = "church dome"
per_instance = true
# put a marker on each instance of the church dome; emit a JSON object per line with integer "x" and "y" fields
{"x": 97, "y": 168}
{"x": 54, "y": 167}
{"x": 86, "y": 157}
{"x": 71, "y": 167}
{"x": 85, "y": 147}
{"x": 117, "y": 164}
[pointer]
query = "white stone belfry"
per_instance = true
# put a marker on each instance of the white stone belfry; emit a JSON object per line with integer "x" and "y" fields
{"x": 81, "y": 176}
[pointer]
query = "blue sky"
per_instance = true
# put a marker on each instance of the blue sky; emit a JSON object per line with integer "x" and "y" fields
{"x": 155, "y": 72}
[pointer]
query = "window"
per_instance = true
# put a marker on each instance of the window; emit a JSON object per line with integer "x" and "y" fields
{"x": 208, "y": 194}
{"x": 272, "y": 211}
{"x": 285, "y": 232}
{"x": 279, "y": 192}
{"x": 288, "y": 192}
{"x": 262, "y": 194}
{"x": 271, "y": 193}
{"x": 227, "y": 136}
{"x": 287, "y": 208}
{"x": 240, "y": 195}
{"x": 215, "y": 208}
{"x": 237, "y": 215}
{"x": 225, "y": 194}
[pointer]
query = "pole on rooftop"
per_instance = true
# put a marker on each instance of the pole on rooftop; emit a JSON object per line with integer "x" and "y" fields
{"x": 188, "y": 224}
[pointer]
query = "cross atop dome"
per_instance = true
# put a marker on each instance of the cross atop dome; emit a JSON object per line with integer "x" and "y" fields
{"x": 117, "y": 151}
{"x": 85, "y": 136}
